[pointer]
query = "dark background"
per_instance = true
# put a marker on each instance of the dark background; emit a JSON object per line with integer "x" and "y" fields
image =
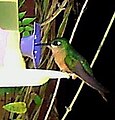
{"x": 93, "y": 24}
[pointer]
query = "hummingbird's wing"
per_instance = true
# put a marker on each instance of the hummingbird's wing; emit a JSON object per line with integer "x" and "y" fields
{"x": 77, "y": 67}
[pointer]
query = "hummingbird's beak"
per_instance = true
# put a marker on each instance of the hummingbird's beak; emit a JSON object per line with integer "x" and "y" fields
{"x": 42, "y": 44}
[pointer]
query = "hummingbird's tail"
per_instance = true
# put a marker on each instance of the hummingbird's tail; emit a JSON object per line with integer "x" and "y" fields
{"x": 91, "y": 81}
{"x": 97, "y": 86}
{"x": 103, "y": 95}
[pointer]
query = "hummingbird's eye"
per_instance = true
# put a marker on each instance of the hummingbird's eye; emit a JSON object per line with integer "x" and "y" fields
{"x": 56, "y": 43}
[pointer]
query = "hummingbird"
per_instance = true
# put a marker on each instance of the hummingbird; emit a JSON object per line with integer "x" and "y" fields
{"x": 70, "y": 61}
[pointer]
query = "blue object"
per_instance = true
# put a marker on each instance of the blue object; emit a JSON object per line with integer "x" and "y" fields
{"x": 29, "y": 45}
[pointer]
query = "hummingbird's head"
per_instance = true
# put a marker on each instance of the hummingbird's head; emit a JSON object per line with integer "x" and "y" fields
{"x": 59, "y": 43}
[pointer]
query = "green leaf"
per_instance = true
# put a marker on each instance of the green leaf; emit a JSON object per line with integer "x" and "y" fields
{"x": 37, "y": 100}
{"x": 20, "y": 23}
{"x": 27, "y": 21}
{"x": 21, "y": 15}
{"x": 21, "y": 29}
{"x": 29, "y": 28}
{"x": 16, "y": 107}
{"x": 25, "y": 33}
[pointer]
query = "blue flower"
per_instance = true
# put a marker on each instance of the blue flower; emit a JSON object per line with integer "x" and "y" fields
{"x": 29, "y": 47}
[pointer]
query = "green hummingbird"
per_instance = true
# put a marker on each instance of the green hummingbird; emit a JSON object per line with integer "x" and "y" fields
{"x": 70, "y": 61}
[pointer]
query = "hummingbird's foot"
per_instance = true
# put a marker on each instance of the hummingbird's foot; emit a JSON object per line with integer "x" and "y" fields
{"x": 73, "y": 75}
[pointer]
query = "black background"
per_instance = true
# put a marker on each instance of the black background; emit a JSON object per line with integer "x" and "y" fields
{"x": 93, "y": 24}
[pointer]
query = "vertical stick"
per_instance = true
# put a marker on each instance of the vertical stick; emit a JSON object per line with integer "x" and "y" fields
{"x": 77, "y": 22}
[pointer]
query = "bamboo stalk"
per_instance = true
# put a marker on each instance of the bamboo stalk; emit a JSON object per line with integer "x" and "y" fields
{"x": 56, "y": 13}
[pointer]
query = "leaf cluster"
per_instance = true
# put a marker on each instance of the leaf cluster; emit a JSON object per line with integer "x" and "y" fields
{"x": 25, "y": 27}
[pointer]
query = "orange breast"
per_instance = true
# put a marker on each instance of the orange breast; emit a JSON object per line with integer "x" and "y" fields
{"x": 59, "y": 57}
